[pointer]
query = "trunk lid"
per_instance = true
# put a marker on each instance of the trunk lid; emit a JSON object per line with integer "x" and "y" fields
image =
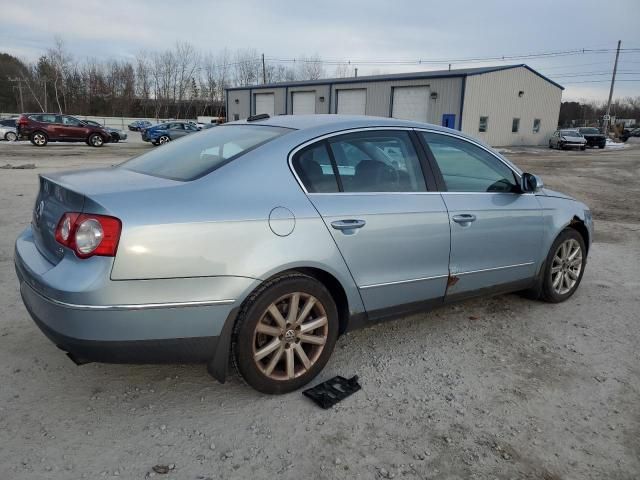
{"x": 80, "y": 192}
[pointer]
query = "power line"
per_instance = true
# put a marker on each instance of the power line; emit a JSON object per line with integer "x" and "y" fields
{"x": 604, "y": 81}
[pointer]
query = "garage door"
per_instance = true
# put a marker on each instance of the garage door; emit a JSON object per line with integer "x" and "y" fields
{"x": 410, "y": 103}
{"x": 352, "y": 102}
{"x": 304, "y": 103}
{"x": 265, "y": 103}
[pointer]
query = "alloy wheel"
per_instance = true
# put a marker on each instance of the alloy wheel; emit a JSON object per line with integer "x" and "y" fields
{"x": 163, "y": 139}
{"x": 566, "y": 266}
{"x": 39, "y": 139}
{"x": 96, "y": 140}
{"x": 11, "y": 137}
{"x": 290, "y": 336}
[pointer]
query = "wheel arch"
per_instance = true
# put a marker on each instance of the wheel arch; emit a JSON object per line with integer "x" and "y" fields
{"x": 578, "y": 224}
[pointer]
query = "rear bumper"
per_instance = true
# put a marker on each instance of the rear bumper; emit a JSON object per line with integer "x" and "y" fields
{"x": 84, "y": 334}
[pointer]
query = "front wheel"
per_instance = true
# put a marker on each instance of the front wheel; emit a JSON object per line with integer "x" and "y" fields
{"x": 115, "y": 138}
{"x": 564, "y": 266}
{"x": 285, "y": 334}
{"x": 96, "y": 140}
{"x": 583, "y": 148}
{"x": 10, "y": 136}
{"x": 164, "y": 139}
{"x": 601, "y": 146}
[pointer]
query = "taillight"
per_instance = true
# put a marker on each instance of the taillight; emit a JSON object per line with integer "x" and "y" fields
{"x": 88, "y": 234}
{"x": 22, "y": 120}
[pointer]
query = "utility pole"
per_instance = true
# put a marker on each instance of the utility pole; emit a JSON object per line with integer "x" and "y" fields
{"x": 356, "y": 72}
{"x": 264, "y": 71}
{"x": 613, "y": 81}
{"x": 18, "y": 80}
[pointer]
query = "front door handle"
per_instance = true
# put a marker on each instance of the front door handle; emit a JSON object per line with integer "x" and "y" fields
{"x": 348, "y": 224}
{"x": 464, "y": 219}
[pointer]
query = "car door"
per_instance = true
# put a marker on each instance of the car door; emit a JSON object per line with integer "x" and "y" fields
{"x": 73, "y": 129}
{"x": 369, "y": 187}
{"x": 496, "y": 230}
{"x": 176, "y": 130}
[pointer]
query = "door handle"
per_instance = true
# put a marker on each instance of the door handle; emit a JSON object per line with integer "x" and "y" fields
{"x": 464, "y": 219}
{"x": 348, "y": 224}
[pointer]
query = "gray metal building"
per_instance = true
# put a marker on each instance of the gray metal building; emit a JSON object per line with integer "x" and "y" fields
{"x": 503, "y": 105}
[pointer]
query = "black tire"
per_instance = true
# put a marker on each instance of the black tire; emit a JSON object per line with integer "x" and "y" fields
{"x": 115, "y": 138}
{"x": 600, "y": 146}
{"x": 95, "y": 140}
{"x": 583, "y": 148}
{"x": 39, "y": 139}
{"x": 255, "y": 308}
{"x": 548, "y": 293}
{"x": 550, "y": 145}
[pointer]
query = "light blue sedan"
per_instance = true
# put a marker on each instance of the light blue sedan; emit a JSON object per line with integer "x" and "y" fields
{"x": 264, "y": 240}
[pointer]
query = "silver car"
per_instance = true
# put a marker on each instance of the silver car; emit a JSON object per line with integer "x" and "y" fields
{"x": 563, "y": 139}
{"x": 264, "y": 240}
{"x": 8, "y": 130}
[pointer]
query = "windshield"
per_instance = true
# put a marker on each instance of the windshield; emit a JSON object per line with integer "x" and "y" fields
{"x": 201, "y": 153}
{"x": 589, "y": 131}
{"x": 569, "y": 133}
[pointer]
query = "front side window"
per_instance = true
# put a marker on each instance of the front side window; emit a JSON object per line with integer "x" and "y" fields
{"x": 198, "y": 155}
{"x": 484, "y": 124}
{"x": 536, "y": 125}
{"x": 466, "y": 167}
{"x": 70, "y": 121}
{"x": 515, "y": 125}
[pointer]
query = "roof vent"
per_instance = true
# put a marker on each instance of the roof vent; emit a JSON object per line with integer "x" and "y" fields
{"x": 261, "y": 116}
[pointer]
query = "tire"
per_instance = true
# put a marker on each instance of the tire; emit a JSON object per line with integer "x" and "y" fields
{"x": 583, "y": 148}
{"x": 550, "y": 145}
{"x": 10, "y": 136}
{"x": 555, "y": 259}
{"x": 164, "y": 139}
{"x": 600, "y": 146}
{"x": 39, "y": 139}
{"x": 281, "y": 367}
{"x": 115, "y": 138}
{"x": 95, "y": 140}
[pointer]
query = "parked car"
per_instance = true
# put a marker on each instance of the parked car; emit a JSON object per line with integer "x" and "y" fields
{"x": 267, "y": 239}
{"x": 593, "y": 136}
{"x": 138, "y": 125}
{"x": 42, "y": 128}
{"x": 116, "y": 134}
{"x": 627, "y": 134}
{"x": 8, "y": 129}
{"x": 165, "y": 132}
{"x": 563, "y": 139}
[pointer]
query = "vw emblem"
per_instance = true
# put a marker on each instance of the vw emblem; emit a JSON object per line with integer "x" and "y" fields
{"x": 289, "y": 336}
{"x": 39, "y": 209}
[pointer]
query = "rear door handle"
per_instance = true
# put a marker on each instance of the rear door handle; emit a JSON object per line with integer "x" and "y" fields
{"x": 464, "y": 218}
{"x": 348, "y": 224}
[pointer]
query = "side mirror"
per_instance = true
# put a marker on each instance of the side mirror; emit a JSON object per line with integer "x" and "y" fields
{"x": 531, "y": 183}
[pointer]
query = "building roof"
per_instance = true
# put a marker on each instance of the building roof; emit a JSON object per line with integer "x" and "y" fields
{"x": 462, "y": 72}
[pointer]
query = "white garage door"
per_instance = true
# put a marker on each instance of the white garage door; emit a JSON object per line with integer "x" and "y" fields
{"x": 265, "y": 103}
{"x": 304, "y": 103}
{"x": 410, "y": 103}
{"x": 352, "y": 102}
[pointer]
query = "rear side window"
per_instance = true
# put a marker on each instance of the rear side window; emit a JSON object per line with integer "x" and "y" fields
{"x": 315, "y": 170}
{"x": 199, "y": 154}
{"x": 367, "y": 162}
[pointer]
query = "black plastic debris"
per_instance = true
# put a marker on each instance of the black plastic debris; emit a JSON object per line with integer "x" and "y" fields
{"x": 327, "y": 394}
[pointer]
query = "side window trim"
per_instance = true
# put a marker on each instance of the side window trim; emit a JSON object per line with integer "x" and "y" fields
{"x": 430, "y": 182}
{"x": 432, "y": 161}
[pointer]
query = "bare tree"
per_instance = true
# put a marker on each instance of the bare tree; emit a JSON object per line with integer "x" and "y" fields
{"x": 311, "y": 68}
{"x": 343, "y": 70}
{"x": 246, "y": 66}
{"x": 60, "y": 59}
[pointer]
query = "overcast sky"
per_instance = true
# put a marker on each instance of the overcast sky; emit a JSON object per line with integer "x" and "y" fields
{"x": 366, "y": 30}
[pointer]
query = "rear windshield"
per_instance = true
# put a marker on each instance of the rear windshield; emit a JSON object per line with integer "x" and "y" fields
{"x": 589, "y": 130}
{"x": 201, "y": 153}
{"x": 570, "y": 133}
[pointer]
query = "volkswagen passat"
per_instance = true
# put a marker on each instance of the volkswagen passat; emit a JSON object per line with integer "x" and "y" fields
{"x": 262, "y": 241}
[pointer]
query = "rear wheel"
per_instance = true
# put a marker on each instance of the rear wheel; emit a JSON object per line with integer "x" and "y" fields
{"x": 115, "y": 138}
{"x": 10, "y": 136}
{"x": 164, "y": 139}
{"x": 583, "y": 148}
{"x": 39, "y": 139}
{"x": 285, "y": 334}
{"x": 95, "y": 140}
{"x": 564, "y": 266}
{"x": 600, "y": 146}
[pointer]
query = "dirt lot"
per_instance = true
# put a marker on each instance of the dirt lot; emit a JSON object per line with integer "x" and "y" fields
{"x": 494, "y": 388}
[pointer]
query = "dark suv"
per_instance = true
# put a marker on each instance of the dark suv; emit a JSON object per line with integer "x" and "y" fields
{"x": 593, "y": 136}
{"x": 42, "y": 128}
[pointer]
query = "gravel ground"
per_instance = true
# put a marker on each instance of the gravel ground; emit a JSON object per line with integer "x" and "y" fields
{"x": 492, "y": 388}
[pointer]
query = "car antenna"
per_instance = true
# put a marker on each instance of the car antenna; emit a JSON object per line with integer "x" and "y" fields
{"x": 261, "y": 116}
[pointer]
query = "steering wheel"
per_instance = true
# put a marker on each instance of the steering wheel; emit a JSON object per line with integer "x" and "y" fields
{"x": 387, "y": 174}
